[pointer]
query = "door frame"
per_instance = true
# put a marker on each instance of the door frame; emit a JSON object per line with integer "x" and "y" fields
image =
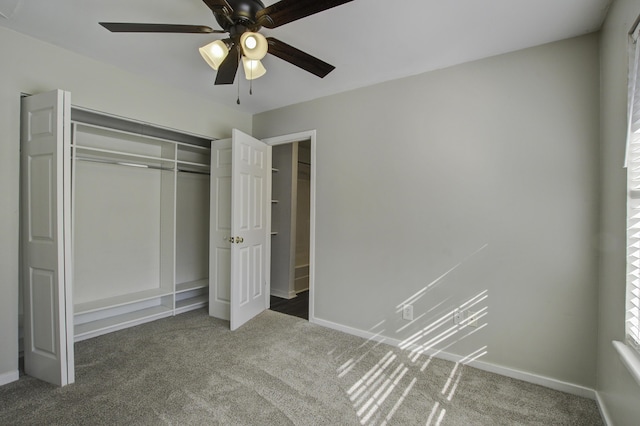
{"x": 308, "y": 135}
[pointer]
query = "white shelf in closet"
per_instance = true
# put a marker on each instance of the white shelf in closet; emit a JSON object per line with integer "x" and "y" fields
{"x": 192, "y": 285}
{"x": 191, "y": 295}
{"x": 119, "y": 322}
{"x": 100, "y": 144}
{"x": 122, "y": 300}
{"x": 193, "y": 159}
{"x": 192, "y": 154}
{"x": 101, "y": 132}
{"x": 110, "y": 156}
{"x": 191, "y": 303}
{"x": 190, "y": 163}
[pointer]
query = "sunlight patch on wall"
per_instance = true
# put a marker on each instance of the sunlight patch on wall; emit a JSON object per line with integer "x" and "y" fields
{"x": 381, "y": 381}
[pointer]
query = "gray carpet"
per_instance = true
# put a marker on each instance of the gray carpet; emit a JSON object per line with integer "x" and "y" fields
{"x": 275, "y": 370}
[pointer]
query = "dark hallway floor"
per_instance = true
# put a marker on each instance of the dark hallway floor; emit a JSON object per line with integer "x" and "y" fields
{"x": 297, "y": 307}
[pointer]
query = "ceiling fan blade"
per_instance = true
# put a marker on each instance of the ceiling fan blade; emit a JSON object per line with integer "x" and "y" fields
{"x": 229, "y": 67}
{"x": 299, "y": 58}
{"x": 131, "y": 27}
{"x": 286, "y": 11}
{"x": 219, "y": 6}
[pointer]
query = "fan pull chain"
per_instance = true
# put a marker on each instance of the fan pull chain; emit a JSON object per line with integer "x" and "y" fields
{"x": 251, "y": 83}
{"x": 238, "y": 101}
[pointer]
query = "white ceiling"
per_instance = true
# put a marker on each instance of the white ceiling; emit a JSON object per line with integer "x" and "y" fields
{"x": 369, "y": 41}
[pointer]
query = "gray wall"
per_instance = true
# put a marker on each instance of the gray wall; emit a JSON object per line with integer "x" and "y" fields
{"x": 619, "y": 392}
{"x": 32, "y": 66}
{"x": 483, "y": 174}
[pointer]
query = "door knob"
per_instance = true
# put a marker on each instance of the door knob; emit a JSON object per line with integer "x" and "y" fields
{"x": 232, "y": 240}
{"x": 239, "y": 240}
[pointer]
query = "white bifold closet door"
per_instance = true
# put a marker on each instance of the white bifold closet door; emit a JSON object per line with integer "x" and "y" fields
{"x": 239, "y": 228}
{"x": 46, "y": 236}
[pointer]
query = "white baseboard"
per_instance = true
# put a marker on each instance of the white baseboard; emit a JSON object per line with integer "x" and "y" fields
{"x": 481, "y": 365}
{"x": 283, "y": 294}
{"x": 536, "y": 379}
{"x": 604, "y": 413}
{"x": 9, "y": 377}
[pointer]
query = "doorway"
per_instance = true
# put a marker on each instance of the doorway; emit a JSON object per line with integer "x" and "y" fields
{"x": 293, "y": 224}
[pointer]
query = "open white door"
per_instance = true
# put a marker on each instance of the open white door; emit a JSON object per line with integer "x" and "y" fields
{"x": 250, "y": 203}
{"x": 240, "y": 170}
{"x": 46, "y": 234}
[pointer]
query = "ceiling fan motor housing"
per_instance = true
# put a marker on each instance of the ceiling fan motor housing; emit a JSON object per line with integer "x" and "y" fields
{"x": 243, "y": 16}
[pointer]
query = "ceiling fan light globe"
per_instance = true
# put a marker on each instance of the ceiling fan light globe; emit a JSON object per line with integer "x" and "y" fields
{"x": 254, "y": 45}
{"x": 251, "y": 42}
{"x": 214, "y": 53}
{"x": 253, "y": 68}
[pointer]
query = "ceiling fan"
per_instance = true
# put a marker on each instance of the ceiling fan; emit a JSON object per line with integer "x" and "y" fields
{"x": 242, "y": 19}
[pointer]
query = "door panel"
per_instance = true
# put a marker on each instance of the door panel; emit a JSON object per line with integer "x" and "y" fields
{"x": 46, "y": 195}
{"x": 43, "y": 295}
{"x": 251, "y": 169}
{"x": 240, "y": 168}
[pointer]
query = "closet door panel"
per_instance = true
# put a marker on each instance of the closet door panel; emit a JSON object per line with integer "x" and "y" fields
{"x": 45, "y": 193}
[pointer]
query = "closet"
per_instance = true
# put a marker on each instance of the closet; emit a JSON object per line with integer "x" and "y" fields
{"x": 140, "y": 214}
{"x": 121, "y": 225}
{"x": 125, "y": 207}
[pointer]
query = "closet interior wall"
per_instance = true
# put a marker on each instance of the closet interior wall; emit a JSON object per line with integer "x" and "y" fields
{"x": 283, "y": 236}
{"x": 290, "y": 219}
{"x": 303, "y": 217}
{"x": 140, "y": 223}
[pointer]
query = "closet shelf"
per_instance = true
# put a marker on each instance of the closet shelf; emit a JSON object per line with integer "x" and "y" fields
{"x": 192, "y": 148}
{"x": 195, "y": 155}
{"x": 139, "y": 137}
{"x": 193, "y": 163}
{"x": 121, "y": 300}
{"x": 191, "y": 303}
{"x": 183, "y": 166}
{"x": 118, "y": 322}
{"x": 192, "y": 285}
{"x": 117, "y": 156}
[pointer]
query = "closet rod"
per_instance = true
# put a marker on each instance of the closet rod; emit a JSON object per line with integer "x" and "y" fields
{"x": 194, "y": 172}
{"x": 302, "y": 162}
{"x": 122, "y": 163}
